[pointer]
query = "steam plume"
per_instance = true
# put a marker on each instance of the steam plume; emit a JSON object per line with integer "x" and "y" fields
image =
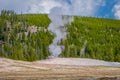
{"x": 57, "y": 26}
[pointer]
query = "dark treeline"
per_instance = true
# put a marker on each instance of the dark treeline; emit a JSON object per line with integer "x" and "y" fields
{"x": 87, "y": 37}
{"x": 17, "y": 41}
{"x": 101, "y": 36}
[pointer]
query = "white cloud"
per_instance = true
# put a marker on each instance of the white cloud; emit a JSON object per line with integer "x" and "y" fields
{"x": 116, "y": 10}
{"x": 43, "y": 6}
{"x": 77, "y": 7}
{"x": 17, "y": 5}
{"x": 86, "y": 7}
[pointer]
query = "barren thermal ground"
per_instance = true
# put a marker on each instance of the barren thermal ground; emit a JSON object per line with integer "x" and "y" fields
{"x": 59, "y": 69}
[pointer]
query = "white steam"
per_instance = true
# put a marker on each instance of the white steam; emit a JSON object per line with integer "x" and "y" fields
{"x": 57, "y": 27}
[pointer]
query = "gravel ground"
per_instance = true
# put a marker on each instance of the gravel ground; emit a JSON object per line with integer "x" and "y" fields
{"x": 59, "y": 69}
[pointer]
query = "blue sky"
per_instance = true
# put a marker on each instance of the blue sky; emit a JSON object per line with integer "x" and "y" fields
{"x": 96, "y": 8}
{"x": 107, "y": 10}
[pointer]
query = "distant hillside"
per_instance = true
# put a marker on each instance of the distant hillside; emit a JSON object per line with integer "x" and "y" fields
{"x": 40, "y": 20}
{"x": 101, "y": 37}
{"x": 87, "y": 37}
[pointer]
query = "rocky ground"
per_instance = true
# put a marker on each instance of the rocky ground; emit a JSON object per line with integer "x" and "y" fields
{"x": 59, "y": 69}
